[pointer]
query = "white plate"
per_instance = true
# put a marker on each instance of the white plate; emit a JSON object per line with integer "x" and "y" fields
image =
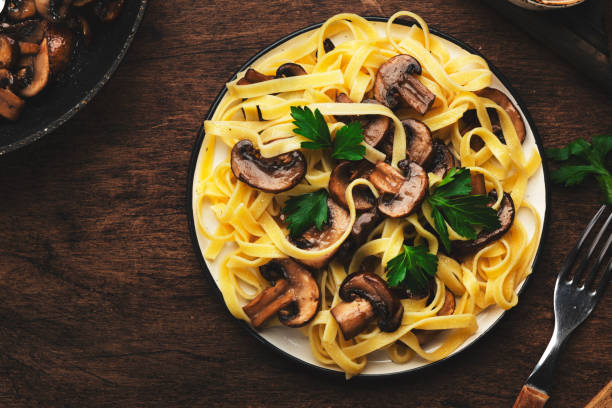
{"x": 291, "y": 341}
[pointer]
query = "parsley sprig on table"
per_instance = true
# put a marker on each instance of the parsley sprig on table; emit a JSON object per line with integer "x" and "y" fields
{"x": 453, "y": 203}
{"x": 412, "y": 268}
{"x": 347, "y": 143}
{"x": 587, "y": 159}
{"x": 306, "y": 210}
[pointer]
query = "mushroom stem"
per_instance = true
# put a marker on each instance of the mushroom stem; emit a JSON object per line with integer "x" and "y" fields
{"x": 386, "y": 178}
{"x": 478, "y": 184}
{"x": 269, "y": 302}
{"x": 353, "y": 317}
{"x": 416, "y": 94}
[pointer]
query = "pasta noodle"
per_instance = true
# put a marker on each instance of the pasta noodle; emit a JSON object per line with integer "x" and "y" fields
{"x": 248, "y": 234}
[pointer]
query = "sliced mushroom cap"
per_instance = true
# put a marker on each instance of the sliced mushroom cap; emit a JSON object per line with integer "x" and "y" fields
{"x": 10, "y": 104}
{"x": 342, "y": 175}
{"x": 396, "y": 79}
{"x": 419, "y": 144}
{"x": 6, "y": 78}
{"x": 338, "y": 220}
{"x": 9, "y": 52}
{"x": 478, "y": 184}
{"x": 272, "y": 175}
{"x": 27, "y": 48}
{"x": 328, "y": 45}
{"x": 353, "y": 314}
{"x": 470, "y": 118}
{"x": 290, "y": 70}
{"x": 108, "y": 10}
{"x": 374, "y": 126}
{"x": 506, "y": 104}
{"x": 31, "y": 31}
{"x": 252, "y": 76}
{"x": 505, "y": 213}
{"x": 21, "y": 9}
{"x": 40, "y": 72}
{"x": 364, "y": 224}
{"x": 294, "y": 296}
{"x": 84, "y": 28}
{"x": 411, "y": 191}
{"x": 442, "y": 160}
{"x": 60, "y": 43}
{"x": 448, "y": 308}
{"x": 53, "y": 10}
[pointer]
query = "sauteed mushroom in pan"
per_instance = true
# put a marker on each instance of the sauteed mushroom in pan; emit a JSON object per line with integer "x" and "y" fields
{"x": 38, "y": 39}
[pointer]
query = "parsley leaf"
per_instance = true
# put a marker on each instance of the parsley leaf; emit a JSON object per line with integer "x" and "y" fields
{"x": 586, "y": 159}
{"x": 412, "y": 268}
{"x": 453, "y": 203}
{"x": 347, "y": 143}
{"x": 305, "y": 211}
{"x": 312, "y": 126}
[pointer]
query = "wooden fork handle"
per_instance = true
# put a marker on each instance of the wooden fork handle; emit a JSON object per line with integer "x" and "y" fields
{"x": 530, "y": 397}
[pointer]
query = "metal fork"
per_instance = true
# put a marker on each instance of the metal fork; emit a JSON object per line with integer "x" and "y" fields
{"x": 573, "y": 304}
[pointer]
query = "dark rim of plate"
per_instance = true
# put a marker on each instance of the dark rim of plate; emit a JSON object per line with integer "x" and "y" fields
{"x": 90, "y": 94}
{"x": 253, "y": 332}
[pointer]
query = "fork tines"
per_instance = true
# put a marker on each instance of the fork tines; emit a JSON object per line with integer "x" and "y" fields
{"x": 604, "y": 234}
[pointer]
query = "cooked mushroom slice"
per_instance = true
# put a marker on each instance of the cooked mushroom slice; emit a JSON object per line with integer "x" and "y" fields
{"x": 448, "y": 308}
{"x": 31, "y": 31}
{"x": 294, "y": 296}
{"x": 252, "y": 76}
{"x": 272, "y": 175}
{"x": 53, "y": 10}
{"x": 470, "y": 118}
{"x": 85, "y": 30}
{"x": 343, "y": 175}
{"x": 396, "y": 78}
{"x": 506, "y": 104}
{"x": 9, "y": 52}
{"x": 365, "y": 297}
{"x": 505, "y": 213}
{"x": 442, "y": 160}
{"x": 374, "y": 126}
{"x": 28, "y": 48}
{"x": 338, "y": 221}
{"x": 478, "y": 184}
{"x": 419, "y": 144}
{"x": 10, "y": 105}
{"x": 21, "y": 9}
{"x": 400, "y": 195}
{"x": 40, "y": 72}
{"x": 328, "y": 45}
{"x": 290, "y": 70}
{"x": 387, "y": 179}
{"x": 108, "y": 10}
{"x": 364, "y": 224}
{"x": 6, "y": 78}
{"x": 60, "y": 43}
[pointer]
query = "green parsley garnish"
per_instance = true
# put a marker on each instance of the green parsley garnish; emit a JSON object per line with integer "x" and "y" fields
{"x": 412, "y": 268}
{"x": 305, "y": 211}
{"x": 453, "y": 203}
{"x": 588, "y": 159}
{"x": 347, "y": 143}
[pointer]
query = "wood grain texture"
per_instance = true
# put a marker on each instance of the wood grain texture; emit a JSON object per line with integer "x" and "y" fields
{"x": 103, "y": 302}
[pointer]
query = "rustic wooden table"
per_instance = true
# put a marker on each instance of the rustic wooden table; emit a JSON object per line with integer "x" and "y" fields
{"x": 103, "y": 302}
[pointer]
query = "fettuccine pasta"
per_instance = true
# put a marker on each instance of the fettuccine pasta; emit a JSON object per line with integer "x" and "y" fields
{"x": 249, "y": 231}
